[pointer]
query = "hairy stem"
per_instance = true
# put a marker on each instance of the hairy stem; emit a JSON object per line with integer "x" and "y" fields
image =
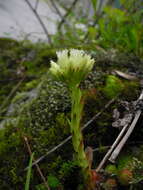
{"x": 77, "y": 139}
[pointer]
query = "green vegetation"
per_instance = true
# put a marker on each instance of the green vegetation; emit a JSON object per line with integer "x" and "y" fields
{"x": 118, "y": 28}
{"x": 42, "y": 109}
{"x": 113, "y": 86}
{"x": 27, "y": 184}
{"x": 42, "y": 117}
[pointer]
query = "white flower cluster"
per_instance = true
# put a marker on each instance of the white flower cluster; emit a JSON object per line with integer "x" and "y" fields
{"x": 72, "y": 66}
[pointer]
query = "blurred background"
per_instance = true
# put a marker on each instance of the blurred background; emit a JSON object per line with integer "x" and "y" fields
{"x": 74, "y": 21}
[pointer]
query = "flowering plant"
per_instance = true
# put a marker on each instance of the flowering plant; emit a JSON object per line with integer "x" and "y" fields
{"x": 72, "y": 67}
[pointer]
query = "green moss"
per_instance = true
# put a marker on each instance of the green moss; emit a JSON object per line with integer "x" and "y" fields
{"x": 30, "y": 85}
{"x": 124, "y": 161}
{"x": 10, "y": 155}
{"x": 131, "y": 90}
{"x": 19, "y": 97}
{"x": 111, "y": 169}
{"x": 18, "y": 59}
{"x": 6, "y": 43}
{"x": 70, "y": 175}
{"x": 45, "y": 55}
{"x": 53, "y": 181}
{"x": 113, "y": 86}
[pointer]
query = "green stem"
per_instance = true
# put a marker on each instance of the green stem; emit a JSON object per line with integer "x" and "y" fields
{"x": 77, "y": 139}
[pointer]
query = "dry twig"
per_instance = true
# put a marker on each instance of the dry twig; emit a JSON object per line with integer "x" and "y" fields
{"x": 36, "y": 4}
{"x": 119, "y": 142}
{"x": 57, "y": 10}
{"x": 67, "y": 14}
{"x": 34, "y": 10}
{"x": 127, "y": 135}
{"x": 111, "y": 149}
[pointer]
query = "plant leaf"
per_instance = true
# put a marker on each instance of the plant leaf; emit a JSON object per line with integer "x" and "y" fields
{"x": 27, "y": 184}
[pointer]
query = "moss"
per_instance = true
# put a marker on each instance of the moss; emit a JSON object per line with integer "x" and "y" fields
{"x": 113, "y": 87}
{"x": 111, "y": 169}
{"x": 43, "y": 115}
{"x": 54, "y": 183}
{"x": 131, "y": 90}
{"x": 19, "y": 97}
{"x": 45, "y": 55}
{"x": 18, "y": 59}
{"x": 6, "y": 43}
{"x": 40, "y": 119}
{"x": 113, "y": 59}
{"x": 31, "y": 85}
{"x": 10, "y": 155}
{"x": 70, "y": 175}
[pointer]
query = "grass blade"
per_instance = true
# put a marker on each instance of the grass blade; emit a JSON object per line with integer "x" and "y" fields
{"x": 27, "y": 184}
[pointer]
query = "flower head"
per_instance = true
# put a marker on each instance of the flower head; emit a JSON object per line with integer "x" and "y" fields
{"x": 72, "y": 66}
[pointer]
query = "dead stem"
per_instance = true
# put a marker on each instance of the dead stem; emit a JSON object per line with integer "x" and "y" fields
{"x": 111, "y": 149}
{"x": 127, "y": 135}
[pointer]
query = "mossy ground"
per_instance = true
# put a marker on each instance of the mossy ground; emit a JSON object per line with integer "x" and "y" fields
{"x": 42, "y": 118}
